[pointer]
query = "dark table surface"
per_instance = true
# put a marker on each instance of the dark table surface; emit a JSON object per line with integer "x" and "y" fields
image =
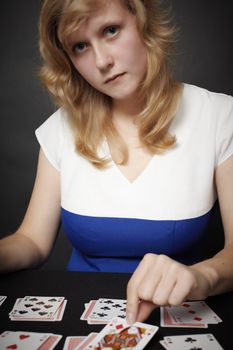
{"x": 80, "y": 287}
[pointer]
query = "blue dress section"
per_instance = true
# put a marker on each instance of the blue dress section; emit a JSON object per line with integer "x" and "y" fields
{"x": 110, "y": 244}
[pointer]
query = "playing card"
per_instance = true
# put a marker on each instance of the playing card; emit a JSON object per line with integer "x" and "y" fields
{"x": 2, "y": 299}
{"x": 60, "y": 312}
{"x": 51, "y": 342}
{"x": 164, "y": 344}
{"x": 37, "y": 307}
{"x": 57, "y": 316}
{"x": 118, "y": 333}
{"x": 194, "y": 341}
{"x": 106, "y": 309}
{"x": 72, "y": 342}
{"x": 167, "y": 321}
{"x": 86, "y": 341}
{"x": 88, "y": 309}
{"x": 194, "y": 312}
{"x": 22, "y": 340}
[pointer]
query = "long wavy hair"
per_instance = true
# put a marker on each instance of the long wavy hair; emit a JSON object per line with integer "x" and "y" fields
{"x": 90, "y": 110}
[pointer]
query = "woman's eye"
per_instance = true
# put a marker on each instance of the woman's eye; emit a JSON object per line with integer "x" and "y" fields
{"x": 79, "y": 47}
{"x": 111, "y": 30}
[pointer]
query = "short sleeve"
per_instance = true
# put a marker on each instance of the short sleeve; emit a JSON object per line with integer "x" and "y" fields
{"x": 50, "y": 136}
{"x": 223, "y": 107}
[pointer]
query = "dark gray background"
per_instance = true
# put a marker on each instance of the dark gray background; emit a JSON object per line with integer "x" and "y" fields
{"x": 203, "y": 57}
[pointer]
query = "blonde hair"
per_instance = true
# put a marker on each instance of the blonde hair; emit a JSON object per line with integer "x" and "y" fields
{"x": 89, "y": 109}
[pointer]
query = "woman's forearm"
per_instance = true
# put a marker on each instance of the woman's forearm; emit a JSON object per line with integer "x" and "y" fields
{"x": 17, "y": 252}
{"x": 218, "y": 270}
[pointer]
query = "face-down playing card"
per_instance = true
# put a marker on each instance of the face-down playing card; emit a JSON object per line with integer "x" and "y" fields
{"x": 118, "y": 335}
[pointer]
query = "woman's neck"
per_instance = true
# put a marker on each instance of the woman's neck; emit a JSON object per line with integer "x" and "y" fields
{"x": 126, "y": 111}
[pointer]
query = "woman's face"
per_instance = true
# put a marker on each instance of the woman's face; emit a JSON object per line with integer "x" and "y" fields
{"x": 108, "y": 51}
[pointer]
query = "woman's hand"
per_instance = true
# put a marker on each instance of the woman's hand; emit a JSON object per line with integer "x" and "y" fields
{"x": 159, "y": 280}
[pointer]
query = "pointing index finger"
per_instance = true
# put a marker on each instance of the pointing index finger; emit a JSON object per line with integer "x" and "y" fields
{"x": 132, "y": 301}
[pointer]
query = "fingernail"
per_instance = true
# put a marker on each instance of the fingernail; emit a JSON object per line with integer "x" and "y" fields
{"x": 130, "y": 318}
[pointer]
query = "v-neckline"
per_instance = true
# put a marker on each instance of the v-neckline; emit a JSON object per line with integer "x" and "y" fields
{"x": 137, "y": 179}
{"x": 106, "y": 152}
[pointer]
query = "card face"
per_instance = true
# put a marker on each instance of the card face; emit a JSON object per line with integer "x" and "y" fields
{"x": 194, "y": 312}
{"x": 167, "y": 321}
{"x": 106, "y": 309}
{"x": 86, "y": 314}
{"x": 28, "y": 341}
{"x": 118, "y": 332}
{"x": 194, "y": 341}
{"x": 27, "y": 311}
{"x": 22, "y": 340}
{"x": 37, "y": 306}
{"x": 164, "y": 344}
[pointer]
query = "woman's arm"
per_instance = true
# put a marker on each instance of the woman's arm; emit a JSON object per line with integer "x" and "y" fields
{"x": 32, "y": 242}
{"x": 221, "y": 265}
{"x": 159, "y": 280}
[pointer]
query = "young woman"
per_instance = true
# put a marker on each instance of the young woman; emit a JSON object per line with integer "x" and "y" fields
{"x": 132, "y": 161}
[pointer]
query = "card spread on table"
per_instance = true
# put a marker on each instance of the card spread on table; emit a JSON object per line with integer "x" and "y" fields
{"x": 22, "y": 340}
{"x": 117, "y": 334}
{"x": 191, "y": 342}
{"x": 103, "y": 310}
{"x": 36, "y": 308}
{"x": 196, "y": 314}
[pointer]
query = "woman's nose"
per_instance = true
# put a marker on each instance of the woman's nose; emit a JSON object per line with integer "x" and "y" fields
{"x": 103, "y": 57}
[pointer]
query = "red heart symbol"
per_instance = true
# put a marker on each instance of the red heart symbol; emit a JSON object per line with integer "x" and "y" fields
{"x": 24, "y": 336}
{"x": 192, "y": 311}
{"x": 197, "y": 318}
{"x": 13, "y": 346}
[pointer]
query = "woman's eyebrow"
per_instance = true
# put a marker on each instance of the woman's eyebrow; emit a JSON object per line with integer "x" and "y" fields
{"x": 107, "y": 23}
{"x": 81, "y": 36}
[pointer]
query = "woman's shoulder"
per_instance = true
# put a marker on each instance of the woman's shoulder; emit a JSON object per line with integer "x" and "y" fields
{"x": 57, "y": 124}
{"x": 198, "y": 94}
{"x": 58, "y": 118}
{"x": 203, "y": 109}
{"x": 55, "y": 136}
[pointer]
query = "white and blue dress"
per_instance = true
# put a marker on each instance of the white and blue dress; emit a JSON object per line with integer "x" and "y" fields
{"x": 111, "y": 222}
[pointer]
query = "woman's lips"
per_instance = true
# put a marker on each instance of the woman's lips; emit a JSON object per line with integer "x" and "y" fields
{"x": 114, "y": 77}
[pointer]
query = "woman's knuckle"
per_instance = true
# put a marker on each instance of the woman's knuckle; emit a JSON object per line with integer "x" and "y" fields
{"x": 174, "y": 300}
{"x": 144, "y": 293}
{"x": 159, "y": 300}
{"x": 149, "y": 257}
